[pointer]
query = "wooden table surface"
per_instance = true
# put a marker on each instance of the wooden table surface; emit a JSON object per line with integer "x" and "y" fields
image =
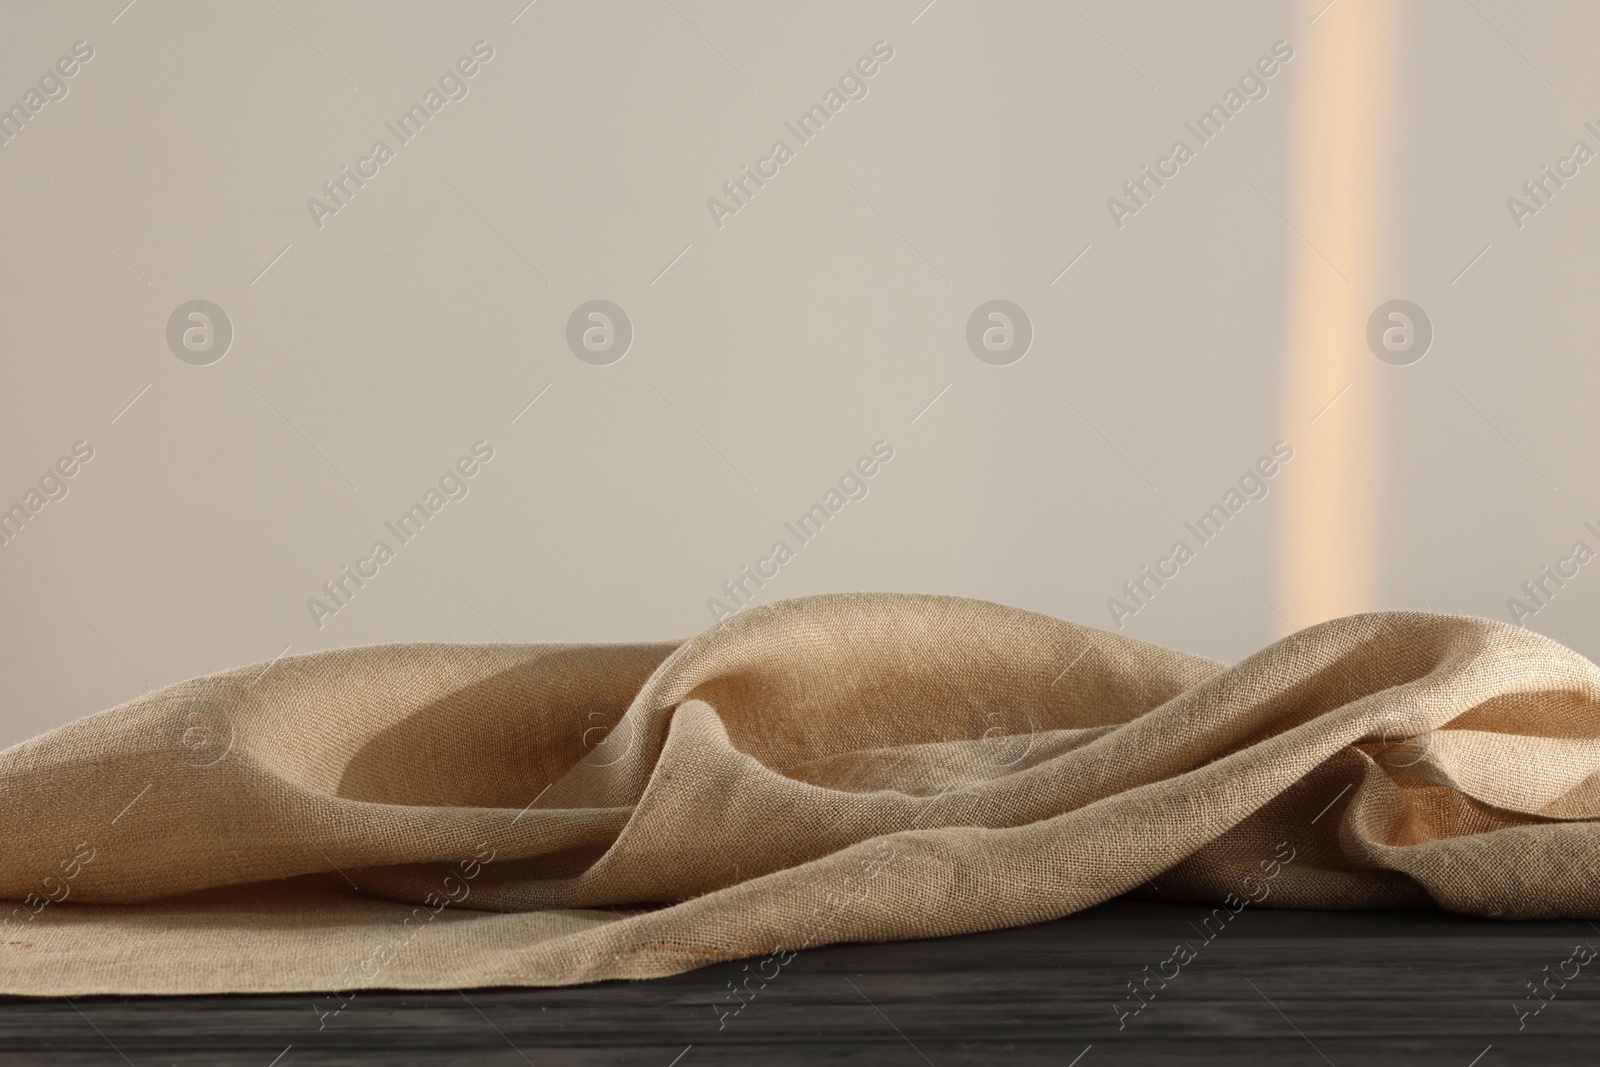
{"x": 1280, "y": 987}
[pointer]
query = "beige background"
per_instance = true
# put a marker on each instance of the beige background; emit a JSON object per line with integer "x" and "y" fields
{"x": 773, "y": 352}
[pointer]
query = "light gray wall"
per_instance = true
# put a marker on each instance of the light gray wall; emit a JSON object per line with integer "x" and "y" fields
{"x": 771, "y": 352}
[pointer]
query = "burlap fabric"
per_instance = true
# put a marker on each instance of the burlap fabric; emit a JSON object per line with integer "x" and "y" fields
{"x": 833, "y": 768}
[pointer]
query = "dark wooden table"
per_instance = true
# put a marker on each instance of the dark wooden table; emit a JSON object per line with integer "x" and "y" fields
{"x": 1275, "y": 987}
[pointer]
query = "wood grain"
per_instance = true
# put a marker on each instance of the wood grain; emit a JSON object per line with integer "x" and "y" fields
{"x": 1282, "y": 987}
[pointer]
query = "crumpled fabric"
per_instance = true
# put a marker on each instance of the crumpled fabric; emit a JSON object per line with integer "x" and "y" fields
{"x": 851, "y": 767}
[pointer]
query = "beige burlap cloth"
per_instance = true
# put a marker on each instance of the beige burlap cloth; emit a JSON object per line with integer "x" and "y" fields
{"x": 833, "y": 768}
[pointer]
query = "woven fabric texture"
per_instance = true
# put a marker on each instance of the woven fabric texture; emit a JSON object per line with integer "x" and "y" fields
{"x": 835, "y": 768}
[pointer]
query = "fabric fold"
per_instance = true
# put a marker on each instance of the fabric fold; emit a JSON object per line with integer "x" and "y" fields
{"x": 851, "y": 767}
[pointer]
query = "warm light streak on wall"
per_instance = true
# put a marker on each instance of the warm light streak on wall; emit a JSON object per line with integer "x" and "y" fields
{"x": 1341, "y": 175}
